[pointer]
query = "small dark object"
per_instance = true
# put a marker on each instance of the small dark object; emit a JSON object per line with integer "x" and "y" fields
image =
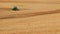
{"x": 15, "y": 9}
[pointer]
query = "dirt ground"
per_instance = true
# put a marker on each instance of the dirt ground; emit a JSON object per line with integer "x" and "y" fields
{"x": 34, "y": 17}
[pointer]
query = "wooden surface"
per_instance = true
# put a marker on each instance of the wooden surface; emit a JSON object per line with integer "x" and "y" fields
{"x": 34, "y": 17}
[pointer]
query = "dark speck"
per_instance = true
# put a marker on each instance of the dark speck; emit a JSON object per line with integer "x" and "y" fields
{"x": 15, "y": 8}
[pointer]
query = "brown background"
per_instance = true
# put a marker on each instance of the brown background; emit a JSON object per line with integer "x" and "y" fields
{"x": 34, "y": 17}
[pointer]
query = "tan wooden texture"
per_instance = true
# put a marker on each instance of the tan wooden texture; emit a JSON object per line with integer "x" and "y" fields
{"x": 34, "y": 17}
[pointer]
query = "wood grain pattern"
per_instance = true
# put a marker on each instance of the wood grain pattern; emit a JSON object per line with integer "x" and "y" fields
{"x": 34, "y": 17}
